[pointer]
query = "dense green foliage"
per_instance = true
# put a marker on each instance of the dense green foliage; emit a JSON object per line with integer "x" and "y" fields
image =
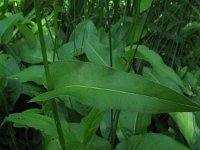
{"x": 99, "y": 75}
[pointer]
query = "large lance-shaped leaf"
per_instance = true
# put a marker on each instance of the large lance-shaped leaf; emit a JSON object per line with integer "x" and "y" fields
{"x": 107, "y": 88}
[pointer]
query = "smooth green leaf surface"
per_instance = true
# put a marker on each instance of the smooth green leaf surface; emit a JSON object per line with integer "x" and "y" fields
{"x": 37, "y": 121}
{"x": 150, "y": 141}
{"x": 8, "y": 65}
{"x": 184, "y": 120}
{"x": 33, "y": 73}
{"x": 7, "y": 24}
{"x": 91, "y": 124}
{"x": 97, "y": 52}
{"x": 84, "y": 30}
{"x": 99, "y": 143}
{"x": 33, "y": 55}
{"x": 50, "y": 143}
{"x": 157, "y": 63}
{"x": 187, "y": 125}
{"x": 12, "y": 91}
{"x": 28, "y": 35}
{"x": 85, "y": 39}
{"x": 66, "y": 51}
{"x": 145, "y": 4}
{"x": 106, "y": 88}
{"x": 131, "y": 123}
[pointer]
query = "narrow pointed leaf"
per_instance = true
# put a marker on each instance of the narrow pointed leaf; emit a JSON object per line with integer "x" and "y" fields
{"x": 106, "y": 88}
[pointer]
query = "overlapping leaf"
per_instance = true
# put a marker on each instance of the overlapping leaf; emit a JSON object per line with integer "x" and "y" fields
{"x": 151, "y": 141}
{"x": 107, "y": 88}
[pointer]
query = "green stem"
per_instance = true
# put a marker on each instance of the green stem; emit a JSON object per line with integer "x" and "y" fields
{"x": 135, "y": 22}
{"x": 48, "y": 76}
{"x": 55, "y": 20}
{"x": 112, "y": 134}
{"x": 117, "y": 112}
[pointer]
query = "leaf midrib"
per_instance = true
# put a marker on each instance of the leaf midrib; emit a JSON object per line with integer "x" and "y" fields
{"x": 98, "y": 55}
{"x": 124, "y": 92}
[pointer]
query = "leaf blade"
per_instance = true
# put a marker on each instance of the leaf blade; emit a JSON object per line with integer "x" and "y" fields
{"x": 104, "y": 87}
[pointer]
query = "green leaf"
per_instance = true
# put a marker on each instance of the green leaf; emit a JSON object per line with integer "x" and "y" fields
{"x": 84, "y": 30}
{"x": 11, "y": 88}
{"x": 34, "y": 55}
{"x": 150, "y": 141}
{"x": 91, "y": 124}
{"x": 12, "y": 91}
{"x": 106, "y": 88}
{"x": 131, "y": 123}
{"x": 8, "y": 65}
{"x": 74, "y": 136}
{"x": 160, "y": 78}
{"x": 50, "y": 143}
{"x": 31, "y": 119}
{"x": 6, "y": 26}
{"x": 33, "y": 73}
{"x": 105, "y": 125}
{"x": 99, "y": 143}
{"x": 157, "y": 63}
{"x": 99, "y": 53}
{"x": 184, "y": 120}
{"x": 66, "y": 51}
{"x": 145, "y": 4}
{"x": 28, "y": 35}
{"x": 32, "y": 89}
{"x": 96, "y": 52}
{"x": 85, "y": 39}
{"x": 187, "y": 125}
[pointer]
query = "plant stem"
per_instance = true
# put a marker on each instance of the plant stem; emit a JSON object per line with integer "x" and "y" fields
{"x": 135, "y": 22}
{"x": 55, "y": 20}
{"x": 48, "y": 76}
{"x": 112, "y": 134}
{"x": 109, "y": 34}
{"x": 117, "y": 112}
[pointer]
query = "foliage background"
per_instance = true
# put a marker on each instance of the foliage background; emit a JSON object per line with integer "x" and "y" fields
{"x": 159, "y": 40}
